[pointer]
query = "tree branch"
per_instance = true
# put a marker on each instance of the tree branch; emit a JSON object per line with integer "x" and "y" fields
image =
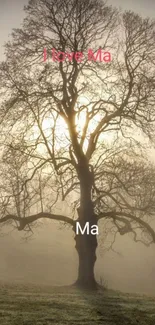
{"x": 116, "y": 216}
{"x": 32, "y": 218}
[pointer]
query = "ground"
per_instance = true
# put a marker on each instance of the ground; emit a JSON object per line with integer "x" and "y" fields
{"x": 32, "y": 305}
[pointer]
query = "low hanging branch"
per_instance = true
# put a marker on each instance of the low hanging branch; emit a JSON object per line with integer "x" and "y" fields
{"x": 32, "y": 218}
{"x": 127, "y": 227}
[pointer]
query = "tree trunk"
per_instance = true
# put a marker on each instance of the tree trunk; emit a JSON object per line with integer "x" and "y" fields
{"x": 86, "y": 245}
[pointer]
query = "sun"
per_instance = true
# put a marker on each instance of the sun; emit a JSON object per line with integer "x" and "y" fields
{"x": 52, "y": 124}
{"x": 61, "y": 127}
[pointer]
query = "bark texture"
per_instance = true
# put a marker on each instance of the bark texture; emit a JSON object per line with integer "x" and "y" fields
{"x": 86, "y": 244}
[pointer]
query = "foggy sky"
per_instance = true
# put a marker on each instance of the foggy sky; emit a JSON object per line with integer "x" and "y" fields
{"x": 143, "y": 7}
{"x": 50, "y": 257}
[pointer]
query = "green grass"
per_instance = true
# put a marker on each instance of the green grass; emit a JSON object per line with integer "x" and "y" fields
{"x": 30, "y": 305}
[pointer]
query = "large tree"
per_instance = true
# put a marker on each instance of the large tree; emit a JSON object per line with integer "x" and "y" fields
{"x": 73, "y": 130}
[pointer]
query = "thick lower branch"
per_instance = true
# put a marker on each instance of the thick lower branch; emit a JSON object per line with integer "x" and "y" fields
{"x": 32, "y": 218}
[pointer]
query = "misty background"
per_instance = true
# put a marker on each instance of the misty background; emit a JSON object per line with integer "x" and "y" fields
{"x": 49, "y": 256}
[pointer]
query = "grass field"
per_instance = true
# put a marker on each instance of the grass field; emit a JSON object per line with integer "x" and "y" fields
{"x": 31, "y": 305}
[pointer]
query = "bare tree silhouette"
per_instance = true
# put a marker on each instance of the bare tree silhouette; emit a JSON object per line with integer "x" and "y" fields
{"x": 70, "y": 130}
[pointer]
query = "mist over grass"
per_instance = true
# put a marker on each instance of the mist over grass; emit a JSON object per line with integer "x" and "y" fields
{"x": 51, "y": 259}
